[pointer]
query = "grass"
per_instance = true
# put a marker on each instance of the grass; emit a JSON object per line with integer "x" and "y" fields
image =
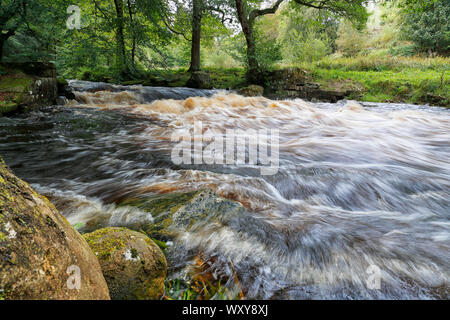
{"x": 411, "y": 80}
{"x": 385, "y": 63}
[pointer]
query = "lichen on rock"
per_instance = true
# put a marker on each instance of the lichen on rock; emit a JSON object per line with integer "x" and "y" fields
{"x": 38, "y": 247}
{"x": 133, "y": 265}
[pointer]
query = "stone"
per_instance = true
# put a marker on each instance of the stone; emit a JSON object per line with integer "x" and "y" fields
{"x": 133, "y": 265}
{"x": 252, "y": 91}
{"x": 64, "y": 90}
{"x": 41, "y": 256}
{"x": 22, "y": 90}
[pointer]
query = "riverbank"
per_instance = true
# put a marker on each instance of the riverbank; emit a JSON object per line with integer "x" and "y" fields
{"x": 27, "y": 85}
{"x": 414, "y": 80}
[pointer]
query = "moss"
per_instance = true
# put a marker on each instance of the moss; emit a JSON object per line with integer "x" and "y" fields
{"x": 62, "y": 82}
{"x": 3, "y": 294}
{"x": 2, "y": 236}
{"x": 161, "y": 244}
{"x": 161, "y": 208}
{"x": 104, "y": 249}
{"x": 129, "y": 279}
{"x": 17, "y": 83}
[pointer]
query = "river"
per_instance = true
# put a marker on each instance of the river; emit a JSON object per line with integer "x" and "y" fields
{"x": 360, "y": 186}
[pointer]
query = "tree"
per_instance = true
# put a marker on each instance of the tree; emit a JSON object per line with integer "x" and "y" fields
{"x": 247, "y": 20}
{"x": 197, "y": 14}
{"x": 28, "y": 31}
{"x": 121, "y": 54}
{"x": 131, "y": 13}
{"x": 351, "y": 41}
{"x": 428, "y": 26}
{"x": 11, "y": 17}
{"x": 248, "y": 11}
{"x": 118, "y": 40}
{"x": 306, "y": 35}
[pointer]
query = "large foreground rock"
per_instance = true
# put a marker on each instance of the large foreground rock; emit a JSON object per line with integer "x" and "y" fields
{"x": 133, "y": 265}
{"x": 40, "y": 253}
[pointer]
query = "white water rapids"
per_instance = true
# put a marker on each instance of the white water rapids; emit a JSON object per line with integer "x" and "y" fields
{"x": 359, "y": 185}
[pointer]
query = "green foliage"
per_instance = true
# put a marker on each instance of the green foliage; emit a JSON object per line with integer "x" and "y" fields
{"x": 94, "y": 46}
{"x": 306, "y": 35}
{"x": 384, "y": 63}
{"x": 33, "y": 28}
{"x": 393, "y": 79}
{"x": 429, "y": 28}
{"x": 406, "y": 50}
{"x": 351, "y": 41}
{"x": 268, "y": 50}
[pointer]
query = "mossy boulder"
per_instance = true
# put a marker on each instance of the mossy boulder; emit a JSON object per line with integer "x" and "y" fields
{"x": 64, "y": 89}
{"x": 133, "y": 265}
{"x": 41, "y": 255}
{"x": 12, "y": 90}
{"x": 174, "y": 214}
{"x": 161, "y": 208}
{"x": 252, "y": 91}
{"x": 7, "y": 106}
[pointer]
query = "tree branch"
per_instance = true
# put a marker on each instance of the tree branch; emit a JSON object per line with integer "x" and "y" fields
{"x": 172, "y": 29}
{"x": 261, "y": 12}
{"x": 223, "y": 17}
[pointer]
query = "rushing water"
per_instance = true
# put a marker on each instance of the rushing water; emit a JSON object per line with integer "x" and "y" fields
{"x": 359, "y": 185}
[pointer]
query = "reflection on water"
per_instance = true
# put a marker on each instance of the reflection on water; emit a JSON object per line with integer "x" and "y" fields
{"x": 358, "y": 185}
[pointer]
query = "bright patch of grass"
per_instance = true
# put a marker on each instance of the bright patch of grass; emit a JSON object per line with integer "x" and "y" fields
{"x": 384, "y": 63}
{"x": 420, "y": 85}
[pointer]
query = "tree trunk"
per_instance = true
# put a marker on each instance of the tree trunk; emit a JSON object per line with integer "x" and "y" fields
{"x": 253, "y": 73}
{"x": 121, "y": 55}
{"x": 3, "y": 38}
{"x": 133, "y": 34}
{"x": 196, "y": 35}
{"x": 253, "y": 65}
{"x": 2, "y": 42}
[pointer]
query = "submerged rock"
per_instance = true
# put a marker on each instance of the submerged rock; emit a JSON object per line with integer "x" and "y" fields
{"x": 41, "y": 255}
{"x": 133, "y": 265}
{"x": 174, "y": 214}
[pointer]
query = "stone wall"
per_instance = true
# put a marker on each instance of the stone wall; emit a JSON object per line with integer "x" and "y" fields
{"x": 27, "y": 85}
{"x": 298, "y": 83}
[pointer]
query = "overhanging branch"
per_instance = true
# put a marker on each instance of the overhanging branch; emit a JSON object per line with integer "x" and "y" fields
{"x": 261, "y": 12}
